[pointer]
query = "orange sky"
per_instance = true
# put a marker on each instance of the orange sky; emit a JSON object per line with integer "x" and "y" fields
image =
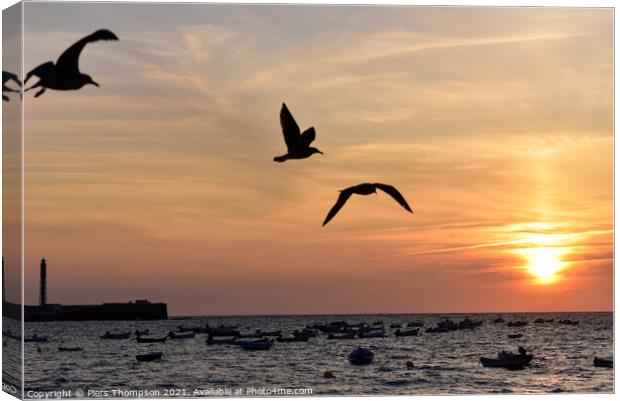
{"x": 495, "y": 124}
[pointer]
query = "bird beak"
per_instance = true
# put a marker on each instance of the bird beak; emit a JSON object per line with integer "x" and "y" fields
{"x": 321, "y": 152}
{"x": 95, "y": 83}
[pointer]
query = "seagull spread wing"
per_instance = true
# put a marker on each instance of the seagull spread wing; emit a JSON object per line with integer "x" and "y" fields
{"x": 342, "y": 199}
{"x": 290, "y": 129}
{"x": 393, "y": 192}
{"x": 8, "y": 76}
{"x": 307, "y": 137}
{"x": 40, "y": 71}
{"x": 68, "y": 61}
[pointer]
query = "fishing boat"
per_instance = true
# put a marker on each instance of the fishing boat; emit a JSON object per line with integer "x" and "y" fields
{"x": 361, "y": 356}
{"x": 194, "y": 329}
{"x": 470, "y": 324}
{"x": 406, "y": 333}
{"x": 304, "y": 333}
{"x": 273, "y": 333}
{"x": 508, "y": 360}
{"x": 223, "y": 331}
{"x": 372, "y": 334}
{"x": 299, "y": 339}
{"x": 115, "y": 336}
{"x": 139, "y": 333}
{"x": 345, "y": 336}
{"x": 220, "y": 341}
{"x": 181, "y": 336}
{"x": 69, "y": 349}
{"x": 35, "y": 339}
{"x": 603, "y": 363}
{"x": 257, "y": 345}
{"x": 151, "y": 340}
{"x": 518, "y": 335}
{"x": 151, "y": 356}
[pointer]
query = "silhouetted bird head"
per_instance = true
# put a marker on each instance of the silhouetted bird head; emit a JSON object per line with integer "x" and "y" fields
{"x": 86, "y": 79}
{"x": 315, "y": 150}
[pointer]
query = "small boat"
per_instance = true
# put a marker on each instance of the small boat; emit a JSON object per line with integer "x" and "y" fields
{"x": 151, "y": 340}
{"x": 250, "y": 335}
{"x": 603, "y": 363}
{"x": 518, "y": 323}
{"x": 406, "y": 333}
{"x": 223, "y": 331}
{"x": 300, "y": 339}
{"x": 569, "y": 322}
{"x": 499, "y": 320}
{"x": 361, "y": 356}
{"x": 372, "y": 334}
{"x": 220, "y": 341}
{"x": 508, "y": 360}
{"x": 69, "y": 349}
{"x": 181, "y": 336}
{"x": 115, "y": 336}
{"x": 273, "y": 333}
{"x": 35, "y": 339}
{"x": 470, "y": 324}
{"x": 258, "y": 345}
{"x": 139, "y": 333}
{"x": 304, "y": 333}
{"x": 151, "y": 356}
{"x": 194, "y": 329}
{"x": 345, "y": 336}
{"x": 518, "y": 335}
{"x": 415, "y": 324}
{"x": 539, "y": 320}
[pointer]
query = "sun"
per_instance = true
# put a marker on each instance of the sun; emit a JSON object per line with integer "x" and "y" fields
{"x": 544, "y": 263}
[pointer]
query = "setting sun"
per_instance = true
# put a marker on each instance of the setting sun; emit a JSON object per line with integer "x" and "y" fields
{"x": 544, "y": 263}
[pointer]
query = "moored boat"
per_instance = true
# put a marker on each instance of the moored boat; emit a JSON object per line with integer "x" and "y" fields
{"x": 257, "y": 345}
{"x": 69, "y": 349}
{"x": 181, "y": 336}
{"x": 345, "y": 336}
{"x": 603, "y": 363}
{"x": 406, "y": 333}
{"x": 150, "y": 340}
{"x": 361, "y": 356}
{"x": 35, "y": 339}
{"x": 508, "y": 360}
{"x": 518, "y": 335}
{"x": 300, "y": 339}
{"x": 220, "y": 341}
{"x": 372, "y": 334}
{"x": 151, "y": 356}
{"x": 115, "y": 336}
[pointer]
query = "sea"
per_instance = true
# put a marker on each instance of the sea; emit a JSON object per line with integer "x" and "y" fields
{"x": 443, "y": 363}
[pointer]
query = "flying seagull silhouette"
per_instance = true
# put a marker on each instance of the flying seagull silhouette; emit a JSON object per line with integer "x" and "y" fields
{"x": 6, "y": 77}
{"x": 65, "y": 74}
{"x": 365, "y": 189}
{"x": 297, "y": 144}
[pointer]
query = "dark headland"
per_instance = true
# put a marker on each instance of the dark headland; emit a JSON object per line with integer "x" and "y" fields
{"x": 45, "y": 312}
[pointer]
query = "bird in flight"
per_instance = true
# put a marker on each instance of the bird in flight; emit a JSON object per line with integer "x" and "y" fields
{"x": 65, "y": 74}
{"x": 365, "y": 189}
{"x": 6, "y": 77}
{"x": 297, "y": 143}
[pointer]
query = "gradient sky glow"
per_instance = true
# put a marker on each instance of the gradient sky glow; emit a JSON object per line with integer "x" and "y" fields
{"x": 495, "y": 123}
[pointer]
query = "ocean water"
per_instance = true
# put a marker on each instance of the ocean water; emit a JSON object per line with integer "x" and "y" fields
{"x": 444, "y": 363}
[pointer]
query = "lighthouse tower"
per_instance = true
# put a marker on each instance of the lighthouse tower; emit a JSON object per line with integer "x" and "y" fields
{"x": 43, "y": 289}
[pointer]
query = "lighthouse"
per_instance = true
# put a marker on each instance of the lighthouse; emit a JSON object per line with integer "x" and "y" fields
{"x": 43, "y": 289}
